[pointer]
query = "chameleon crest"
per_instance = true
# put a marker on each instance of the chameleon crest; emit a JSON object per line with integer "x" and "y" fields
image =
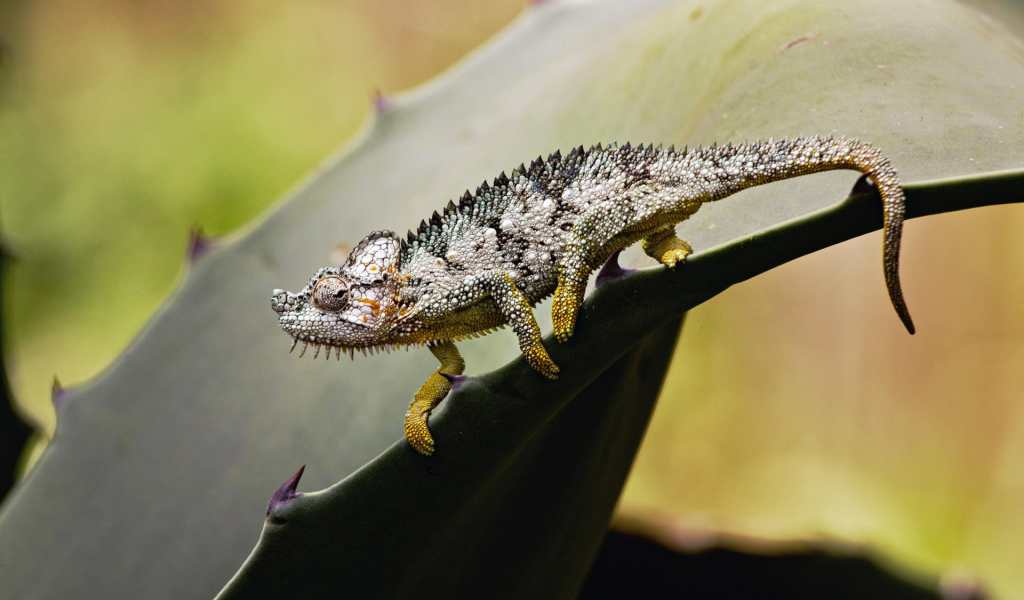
{"x": 487, "y": 261}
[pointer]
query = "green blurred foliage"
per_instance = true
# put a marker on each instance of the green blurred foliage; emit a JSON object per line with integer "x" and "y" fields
{"x": 123, "y": 124}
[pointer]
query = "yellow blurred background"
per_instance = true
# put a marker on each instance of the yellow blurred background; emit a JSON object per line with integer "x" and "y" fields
{"x": 797, "y": 407}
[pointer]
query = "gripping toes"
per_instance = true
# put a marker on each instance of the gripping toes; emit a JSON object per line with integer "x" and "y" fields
{"x": 672, "y": 257}
{"x": 538, "y": 358}
{"x": 564, "y": 308}
{"x": 430, "y": 395}
{"x": 664, "y": 247}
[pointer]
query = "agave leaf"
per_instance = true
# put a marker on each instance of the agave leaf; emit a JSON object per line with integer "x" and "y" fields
{"x": 510, "y": 526}
{"x": 161, "y": 469}
{"x": 528, "y": 458}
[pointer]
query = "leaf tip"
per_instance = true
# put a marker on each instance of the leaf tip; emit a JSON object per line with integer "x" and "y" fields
{"x": 381, "y": 103}
{"x": 611, "y": 271}
{"x": 58, "y": 394}
{"x": 455, "y": 380}
{"x": 198, "y": 244}
{"x": 286, "y": 493}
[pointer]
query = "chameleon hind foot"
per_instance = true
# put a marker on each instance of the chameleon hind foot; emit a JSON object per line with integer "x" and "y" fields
{"x": 565, "y": 306}
{"x": 538, "y": 358}
{"x": 665, "y": 247}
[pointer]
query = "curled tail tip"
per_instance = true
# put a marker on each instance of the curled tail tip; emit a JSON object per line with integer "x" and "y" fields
{"x": 901, "y": 310}
{"x": 898, "y": 303}
{"x": 905, "y": 317}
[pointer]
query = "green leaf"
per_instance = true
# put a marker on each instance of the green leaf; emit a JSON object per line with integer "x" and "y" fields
{"x": 160, "y": 470}
{"x": 492, "y": 514}
{"x": 514, "y": 504}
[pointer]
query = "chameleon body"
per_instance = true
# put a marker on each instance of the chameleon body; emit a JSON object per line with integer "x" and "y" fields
{"x": 486, "y": 261}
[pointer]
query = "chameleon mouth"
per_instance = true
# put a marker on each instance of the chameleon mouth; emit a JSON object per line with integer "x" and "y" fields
{"x": 350, "y": 350}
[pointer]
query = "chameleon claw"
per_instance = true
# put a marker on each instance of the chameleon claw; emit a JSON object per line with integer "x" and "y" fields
{"x": 417, "y": 433}
{"x": 564, "y": 307}
{"x": 665, "y": 247}
{"x": 542, "y": 363}
{"x": 673, "y": 257}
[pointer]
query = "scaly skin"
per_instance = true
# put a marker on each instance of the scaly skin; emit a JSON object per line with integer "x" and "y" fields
{"x": 485, "y": 263}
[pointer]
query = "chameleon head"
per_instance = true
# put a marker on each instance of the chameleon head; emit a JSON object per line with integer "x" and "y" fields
{"x": 350, "y": 307}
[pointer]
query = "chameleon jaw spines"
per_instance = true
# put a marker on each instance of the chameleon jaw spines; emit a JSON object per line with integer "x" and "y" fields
{"x": 351, "y": 350}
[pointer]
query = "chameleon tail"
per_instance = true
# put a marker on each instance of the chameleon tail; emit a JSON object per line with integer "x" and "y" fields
{"x": 679, "y": 183}
{"x": 802, "y": 156}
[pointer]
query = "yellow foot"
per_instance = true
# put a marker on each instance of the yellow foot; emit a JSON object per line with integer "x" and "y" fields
{"x": 417, "y": 433}
{"x": 673, "y": 257}
{"x": 541, "y": 362}
{"x": 430, "y": 395}
{"x": 564, "y": 307}
{"x": 664, "y": 247}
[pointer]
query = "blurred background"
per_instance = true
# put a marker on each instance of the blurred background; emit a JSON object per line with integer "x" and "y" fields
{"x": 125, "y": 124}
{"x": 796, "y": 408}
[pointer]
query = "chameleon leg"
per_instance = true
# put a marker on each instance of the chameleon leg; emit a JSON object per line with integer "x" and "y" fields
{"x": 589, "y": 233}
{"x": 665, "y": 247}
{"x": 566, "y": 303}
{"x": 513, "y": 306}
{"x": 517, "y": 311}
{"x": 430, "y": 395}
{"x": 596, "y": 234}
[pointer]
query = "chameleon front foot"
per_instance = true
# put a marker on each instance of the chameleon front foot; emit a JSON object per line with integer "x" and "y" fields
{"x": 430, "y": 395}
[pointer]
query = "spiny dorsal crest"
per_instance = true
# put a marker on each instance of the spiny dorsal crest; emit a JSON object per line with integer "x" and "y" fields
{"x": 539, "y": 169}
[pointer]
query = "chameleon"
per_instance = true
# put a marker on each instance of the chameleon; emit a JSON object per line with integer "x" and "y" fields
{"x": 485, "y": 262}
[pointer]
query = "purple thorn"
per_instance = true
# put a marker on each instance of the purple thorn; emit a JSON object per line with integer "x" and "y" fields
{"x": 539, "y": 2}
{"x": 455, "y": 380}
{"x": 611, "y": 271}
{"x": 380, "y": 102}
{"x": 58, "y": 395}
{"x": 286, "y": 493}
{"x": 198, "y": 244}
{"x": 864, "y": 185}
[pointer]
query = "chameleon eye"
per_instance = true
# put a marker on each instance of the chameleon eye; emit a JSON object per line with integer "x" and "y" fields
{"x": 330, "y": 293}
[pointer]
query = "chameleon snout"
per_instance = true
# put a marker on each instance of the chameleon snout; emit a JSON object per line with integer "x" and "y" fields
{"x": 282, "y": 301}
